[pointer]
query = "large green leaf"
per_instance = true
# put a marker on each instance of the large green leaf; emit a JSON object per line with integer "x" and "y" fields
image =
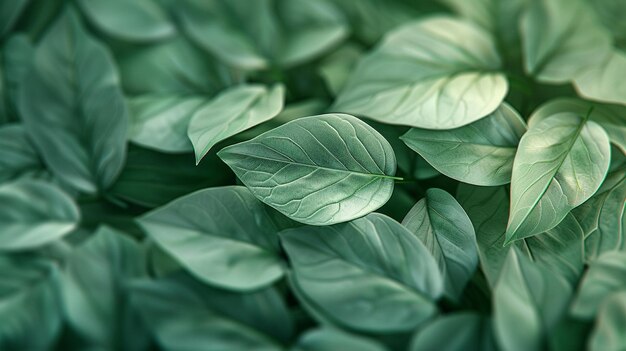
{"x": 327, "y": 339}
{"x": 30, "y": 306}
{"x": 444, "y": 228}
{"x": 479, "y": 153}
{"x": 438, "y": 73}
{"x": 231, "y": 112}
{"x": 137, "y": 20}
{"x": 370, "y": 274}
{"x": 99, "y": 268}
{"x": 34, "y": 213}
{"x": 610, "y": 117}
{"x": 602, "y": 82}
{"x": 573, "y": 41}
{"x": 608, "y": 334}
{"x": 560, "y": 163}
{"x": 186, "y": 315}
{"x": 73, "y": 108}
{"x": 153, "y": 179}
{"x": 559, "y": 249}
{"x": 264, "y": 33}
{"x": 10, "y": 12}
{"x": 18, "y": 157}
{"x": 528, "y": 303}
{"x": 471, "y": 332}
{"x": 317, "y": 170}
{"x": 223, "y": 236}
{"x": 606, "y": 275}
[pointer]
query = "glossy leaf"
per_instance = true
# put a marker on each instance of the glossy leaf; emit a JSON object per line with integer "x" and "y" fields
{"x": 137, "y": 20}
{"x": 471, "y": 332}
{"x": 223, "y": 236}
{"x": 606, "y": 275}
{"x": 327, "y": 339}
{"x": 561, "y": 162}
{"x": 317, "y": 170}
{"x": 479, "y": 153}
{"x": 607, "y": 334}
{"x": 231, "y": 112}
{"x": 34, "y": 213}
{"x": 574, "y": 41}
{"x": 438, "y": 73}
{"x": 73, "y": 108}
{"x": 543, "y": 298}
{"x": 30, "y": 299}
{"x": 370, "y": 274}
{"x": 444, "y": 228}
{"x": 205, "y": 316}
{"x": 100, "y": 268}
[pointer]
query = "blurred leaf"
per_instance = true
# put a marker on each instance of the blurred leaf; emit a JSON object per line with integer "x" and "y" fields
{"x": 602, "y": 82}
{"x": 10, "y": 12}
{"x": 444, "y": 228}
{"x": 73, "y": 109}
{"x": 471, "y": 332}
{"x": 93, "y": 290}
{"x": 370, "y": 274}
{"x": 202, "y": 316}
{"x": 317, "y": 170}
{"x": 18, "y": 57}
{"x": 223, "y": 236}
{"x": 437, "y": 73}
{"x": 327, "y": 339}
{"x": 231, "y": 112}
{"x": 136, "y": 20}
{"x": 18, "y": 157}
{"x": 607, "y": 334}
{"x": 479, "y": 153}
{"x": 34, "y": 213}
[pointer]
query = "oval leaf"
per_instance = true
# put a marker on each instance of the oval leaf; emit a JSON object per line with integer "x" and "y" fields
{"x": 327, "y": 339}
{"x": 223, "y": 236}
{"x": 317, "y": 170}
{"x": 438, "y": 73}
{"x": 370, "y": 274}
{"x": 479, "y": 153}
{"x": 471, "y": 332}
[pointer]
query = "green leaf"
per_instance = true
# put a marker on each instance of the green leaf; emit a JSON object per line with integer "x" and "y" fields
{"x": 99, "y": 268}
{"x": 479, "y": 153}
{"x": 444, "y": 228}
{"x": 10, "y": 12}
{"x": 559, "y": 249}
{"x": 264, "y": 33}
{"x": 560, "y": 163}
{"x": 438, "y": 73}
{"x": 606, "y": 275}
{"x": 573, "y": 41}
{"x": 137, "y": 20}
{"x": 607, "y": 334}
{"x": 231, "y": 112}
{"x": 223, "y": 236}
{"x": 327, "y": 339}
{"x": 471, "y": 332}
{"x": 602, "y": 82}
{"x": 370, "y": 274}
{"x": 34, "y": 213}
{"x": 160, "y": 121}
{"x": 317, "y": 170}
{"x": 153, "y": 179}
{"x": 18, "y": 157}
{"x": 73, "y": 108}
{"x": 18, "y": 57}
{"x": 610, "y": 117}
{"x": 203, "y": 316}
{"x": 528, "y": 303}
{"x": 337, "y": 67}
{"x": 30, "y": 304}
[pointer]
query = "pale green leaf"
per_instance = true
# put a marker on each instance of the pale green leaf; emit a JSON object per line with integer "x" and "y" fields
{"x": 370, "y": 274}
{"x": 136, "y": 20}
{"x": 231, "y": 112}
{"x": 471, "y": 332}
{"x": 327, "y": 339}
{"x": 561, "y": 39}
{"x": 223, "y": 236}
{"x": 444, "y": 228}
{"x": 73, "y": 108}
{"x": 608, "y": 332}
{"x": 34, "y": 213}
{"x": 437, "y": 73}
{"x": 560, "y": 163}
{"x": 317, "y": 170}
{"x": 603, "y": 82}
{"x": 479, "y": 153}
